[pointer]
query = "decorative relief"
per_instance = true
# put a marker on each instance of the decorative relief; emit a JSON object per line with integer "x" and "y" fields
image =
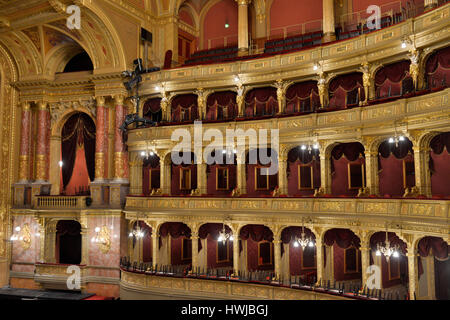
{"x": 57, "y": 109}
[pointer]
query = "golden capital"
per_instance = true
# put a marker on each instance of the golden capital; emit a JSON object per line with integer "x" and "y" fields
{"x": 26, "y": 106}
{"x": 118, "y": 99}
{"x": 100, "y": 101}
{"x": 42, "y": 105}
{"x": 243, "y": 2}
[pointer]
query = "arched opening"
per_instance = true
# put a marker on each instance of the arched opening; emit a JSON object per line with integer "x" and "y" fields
{"x": 434, "y": 269}
{"x": 302, "y": 98}
{"x": 175, "y": 245}
{"x": 68, "y": 242}
{"x": 261, "y": 180}
{"x": 140, "y": 237}
{"x": 256, "y": 247}
{"x": 437, "y": 69}
{"x": 216, "y": 253}
{"x": 342, "y": 259}
{"x": 346, "y": 91}
{"x": 260, "y": 102}
{"x": 394, "y": 267}
{"x": 298, "y": 247}
{"x": 348, "y": 174}
{"x": 303, "y": 170}
{"x": 440, "y": 165}
{"x": 221, "y": 106}
{"x": 184, "y": 108}
{"x": 151, "y": 173}
{"x": 183, "y": 173}
{"x": 396, "y": 167}
{"x": 393, "y": 81}
{"x": 221, "y": 172}
{"x": 77, "y": 154}
{"x": 80, "y": 62}
{"x": 220, "y": 25}
{"x": 152, "y": 109}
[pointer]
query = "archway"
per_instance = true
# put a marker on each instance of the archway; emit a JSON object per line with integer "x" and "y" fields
{"x": 214, "y": 252}
{"x": 175, "y": 244}
{"x": 68, "y": 242}
{"x": 256, "y": 247}
{"x": 440, "y": 165}
{"x": 77, "y": 160}
{"x": 303, "y": 170}
{"x": 261, "y": 181}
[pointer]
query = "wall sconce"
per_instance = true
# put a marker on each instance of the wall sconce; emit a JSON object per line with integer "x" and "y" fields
{"x": 405, "y": 42}
{"x": 23, "y": 235}
{"x": 102, "y": 238}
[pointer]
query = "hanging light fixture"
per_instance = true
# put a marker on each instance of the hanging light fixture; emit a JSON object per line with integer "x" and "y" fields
{"x": 303, "y": 241}
{"x": 137, "y": 231}
{"x": 387, "y": 250}
{"x": 224, "y": 236}
{"x": 98, "y": 238}
{"x": 16, "y": 236}
{"x": 396, "y": 138}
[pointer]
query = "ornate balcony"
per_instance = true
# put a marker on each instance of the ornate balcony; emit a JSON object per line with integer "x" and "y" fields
{"x": 55, "y": 276}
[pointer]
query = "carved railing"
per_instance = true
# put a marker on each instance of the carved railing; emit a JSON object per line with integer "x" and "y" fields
{"x": 55, "y": 202}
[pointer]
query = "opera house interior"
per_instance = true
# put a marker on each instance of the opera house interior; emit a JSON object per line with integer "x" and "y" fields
{"x": 350, "y": 100}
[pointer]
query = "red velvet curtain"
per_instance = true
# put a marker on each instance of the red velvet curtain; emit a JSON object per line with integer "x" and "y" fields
{"x": 152, "y": 106}
{"x": 303, "y": 155}
{"x": 394, "y": 72}
{"x": 256, "y": 232}
{"x": 261, "y": 101}
{"x": 221, "y": 105}
{"x": 187, "y": 103}
{"x": 68, "y": 233}
{"x": 302, "y": 97}
{"x": 350, "y": 150}
{"x": 79, "y": 129}
{"x": 437, "y": 69}
{"x": 343, "y": 90}
{"x": 290, "y": 233}
{"x": 404, "y": 147}
{"x": 213, "y": 229}
{"x": 380, "y": 237}
{"x": 435, "y": 246}
{"x": 344, "y": 238}
{"x": 438, "y": 143}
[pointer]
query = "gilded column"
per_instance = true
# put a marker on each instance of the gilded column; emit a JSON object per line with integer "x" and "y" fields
{"x": 319, "y": 257}
{"x": 24, "y": 157}
{"x": 236, "y": 253}
{"x": 325, "y": 172}
{"x": 241, "y": 176}
{"x": 282, "y": 171}
{"x": 164, "y": 172}
{"x": 194, "y": 239}
{"x": 136, "y": 164}
{"x": 277, "y": 256}
{"x": 84, "y": 245}
{"x": 328, "y": 21}
{"x": 323, "y": 89}
{"x": 155, "y": 249}
{"x": 372, "y": 179}
{"x": 243, "y": 26}
{"x": 412, "y": 273}
{"x": 100, "y": 140}
{"x": 42, "y": 143}
{"x": 120, "y": 155}
{"x": 422, "y": 170}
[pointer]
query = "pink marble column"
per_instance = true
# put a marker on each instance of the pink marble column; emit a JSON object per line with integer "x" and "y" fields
{"x": 120, "y": 155}
{"x": 101, "y": 142}
{"x": 24, "y": 156}
{"x": 42, "y": 143}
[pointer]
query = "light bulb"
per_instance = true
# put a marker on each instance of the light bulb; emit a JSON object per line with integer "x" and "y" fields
{"x": 236, "y": 79}
{"x": 224, "y": 151}
{"x": 234, "y": 151}
{"x": 391, "y": 140}
{"x": 152, "y": 153}
{"x": 403, "y": 44}
{"x": 227, "y": 25}
{"x": 97, "y": 229}
{"x": 130, "y": 234}
{"x": 231, "y": 238}
{"x": 378, "y": 253}
{"x": 395, "y": 254}
{"x": 316, "y": 146}
{"x": 17, "y": 229}
{"x": 311, "y": 244}
{"x": 401, "y": 138}
{"x": 315, "y": 67}
{"x": 21, "y": 238}
{"x": 60, "y": 163}
{"x": 157, "y": 88}
{"x": 303, "y": 147}
{"x": 37, "y": 234}
{"x": 295, "y": 244}
{"x": 220, "y": 238}
{"x": 143, "y": 153}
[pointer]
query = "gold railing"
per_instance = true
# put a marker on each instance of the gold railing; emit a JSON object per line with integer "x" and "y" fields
{"x": 50, "y": 202}
{"x": 141, "y": 286}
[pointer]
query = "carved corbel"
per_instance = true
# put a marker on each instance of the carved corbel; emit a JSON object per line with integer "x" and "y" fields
{"x": 58, "y": 6}
{"x": 240, "y": 98}
{"x": 281, "y": 93}
{"x": 414, "y": 68}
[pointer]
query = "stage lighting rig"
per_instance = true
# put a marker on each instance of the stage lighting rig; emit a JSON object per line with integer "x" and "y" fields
{"x": 132, "y": 86}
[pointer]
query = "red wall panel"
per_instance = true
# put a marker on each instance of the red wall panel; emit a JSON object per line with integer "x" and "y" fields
{"x": 225, "y": 11}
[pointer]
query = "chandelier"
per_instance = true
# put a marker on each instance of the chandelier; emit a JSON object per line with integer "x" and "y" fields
{"x": 137, "y": 232}
{"x": 224, "y": 235}
{"x": 387, "y": 250}
{"x": 311, "y": 145}
{"x": 396, "y": 138}
{"x": 146, "y": 153}
{"x": 303, "y": 241}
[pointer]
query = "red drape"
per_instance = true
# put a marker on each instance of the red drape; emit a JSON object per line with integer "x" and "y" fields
{"x": 187, "y": 103}
{"x": 152, "y": 106}
{"x": 433, "y": 245}
{"x": 221, "y": 105}
{"x": 437, "y": 69}
{"x": 438, "y": 143}
{"x": 212, "y": 229}
{"x": 344, "y": 89}
{"x": 256, "y": 232}
{"x": 394, "y": 72}
{"x": 79, "y": 130}
{"x": 261, "y": 101}
{"x": 380, "y": 237}
{"x": 290, "y": 233}
{"x": 351, "y": 150}
{"x": 401, "y": 151}
{"x": 344, "y": 238}
{"x": 303, "y": 155}
{"x": 302, "y": 97}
